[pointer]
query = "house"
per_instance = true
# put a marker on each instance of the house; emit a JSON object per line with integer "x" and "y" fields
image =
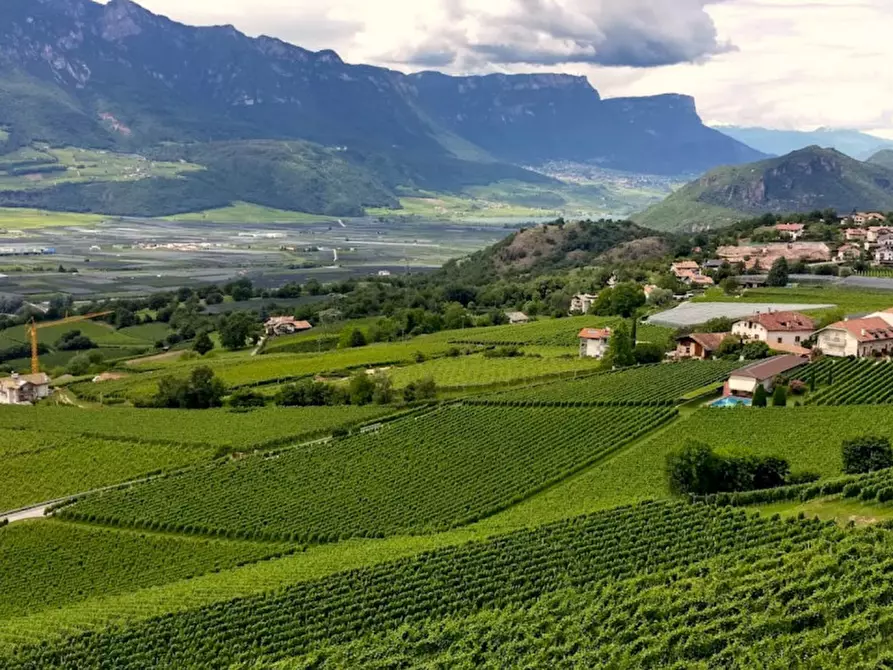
{"x": 384, "y": 273}
{"x": 685, "y": 269}
{"x": 785, "y": 328}
{"x": 856, "y": 234}
{"x": 861, "y": 218}
{"x": 582, "y": 302}
{"x": 849, "y": 252}
{"x": 285, "y": 325}
{"x": 702, "y": 281}
{"x": 793, "y": 231}
{"x": 762, "y": 373}
{"x": 699, "y": 345}
{"x": 869, "y": 336}
{"x": 594, "y": 342}
{"x": 517, "y": 318}
{"x": 24, "y": 389}
{"x": 714, "y": 264}
{"x": 874, "y": 233}
{"x": 883, "y": 255}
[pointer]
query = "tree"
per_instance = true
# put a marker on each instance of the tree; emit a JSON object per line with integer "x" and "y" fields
{"x": 634, "y": 331}
{"x": 780, "y": 396}
{"x": 246, "y": 398}
{"x": 730, "y": 348}
{"x": 778, "y": 274}
{"x": 351, "y": 337}
{"x": 74, "y": 341}
{"x": 626, "y": 299}
{"x": 866, "y": 454}
{"x": 755, "y": 351}
{"x": 648, "y": 352}
{"x": 237, "y": 329}
{"x": 760, "y": 398}
{"x": 621, "y": 352}
{"x": 202, "y": 390}
{"x": 693, "y": 469}
{"x": 124, "y": 318}
{"x": 424, "y": 389}
{"x": 384, "y": 388}
{"x": 203, "y": 343}
{"x": 361, "y": 388}
{"x": 719, "y": 324}
{"x": 730, "y": 285}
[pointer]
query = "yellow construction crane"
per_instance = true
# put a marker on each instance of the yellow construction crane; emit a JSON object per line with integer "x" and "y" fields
{"x": 35, "y": 361}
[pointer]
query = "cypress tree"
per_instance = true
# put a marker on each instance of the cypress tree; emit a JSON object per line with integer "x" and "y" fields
{"x": 759, "y": 397}
{"x": 779, "y": 396}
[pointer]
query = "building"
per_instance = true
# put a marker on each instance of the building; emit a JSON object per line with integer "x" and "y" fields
{"x": 883, "y": 255}
{"x": 870, "y": 336}
{"x": 861, "y": 218}
{"x": 764, "y": 255}
{"x": 685, "y": 269}
{"x": 24, "y": 389}
{"x": 849, "y": 252}
{"x": 702, "y": 281}
{"x": 874, "y": 233}
{"x": 517, "y": 318}
{"x": 594, "y": 342}
{"x": 856, "y": 234}
{"x": 582, "y": 302}
{"x": 699, "y": 345}
{"x": 384, "y": 273}
{"x": 285, "y": 325}
{"x": 785, "y": 328}
{"x": 762, "y": 373}
{"x": 793, "y": 231}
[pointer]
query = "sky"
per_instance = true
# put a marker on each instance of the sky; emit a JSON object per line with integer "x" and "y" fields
{"x": 790, "y": 64}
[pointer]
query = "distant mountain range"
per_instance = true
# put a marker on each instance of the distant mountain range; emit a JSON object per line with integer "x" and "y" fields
{"x": 802, "y": 181}
{"x": 860, "y": 146}
{"x": 117, "y": 77}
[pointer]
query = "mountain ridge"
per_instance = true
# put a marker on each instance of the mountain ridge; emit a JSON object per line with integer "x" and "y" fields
{"x": 853, "y": 143}
{"x": 805, "y": 180}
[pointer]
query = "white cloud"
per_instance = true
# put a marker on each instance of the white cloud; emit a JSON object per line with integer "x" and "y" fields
{"x": 796, "y": 63}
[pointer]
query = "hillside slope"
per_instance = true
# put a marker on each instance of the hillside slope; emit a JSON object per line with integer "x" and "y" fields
{"x": 883, "y": 158}
{"x": 802, "y": 181}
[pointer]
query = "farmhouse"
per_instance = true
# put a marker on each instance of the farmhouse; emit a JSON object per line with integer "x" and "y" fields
{"x": 582, "y": 302}
{"x": 594, "y": 342}
{"x": 746, "y": 380}
{"x": 871, "y": 336}
{"x": 285, "y": 325}
{"x": 685, "y": 269}
{"x": 517, "y": 318}
{"x": 774, "y": 328}
{"x": 793, "y": 231}
{"x": 856, "y": 234}
{"x": 24, "y": 389}
{"x": 861, "y": 218}
{"x": 699, "y": 345}
{"x": 702, "y": 281}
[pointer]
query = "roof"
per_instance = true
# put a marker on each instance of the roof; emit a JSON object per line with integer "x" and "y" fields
{"x": 699, "y": 279}
{"x": 710, "y": 341}
{"x": 871, "y": 329}
{"x": 39, "y": 379}
{"x": 290, "y": 320}
{"x": 516, "y": 315}
{"x": 789, "y": 227}
{"x": 595, "y": 334}
{"x": 685, "y": 265}
{"x": 770, "y": 367}
{"x": 783, "y": 321}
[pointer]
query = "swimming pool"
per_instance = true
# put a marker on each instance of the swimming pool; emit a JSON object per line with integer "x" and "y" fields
{"x": 731, "y": 401}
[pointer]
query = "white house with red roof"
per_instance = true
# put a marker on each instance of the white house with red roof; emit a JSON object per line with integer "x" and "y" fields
{"x": 776, "y": 328}
{"x": 594, "y": 342}
{"x": 285, "y": 325}
{"x": 870, "y": 336}
{"x": 793, "y": 231}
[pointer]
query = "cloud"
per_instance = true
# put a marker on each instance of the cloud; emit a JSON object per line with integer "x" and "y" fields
{"x": 631, "y": 33}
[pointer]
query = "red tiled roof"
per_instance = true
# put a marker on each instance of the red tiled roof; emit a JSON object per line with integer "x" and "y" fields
{"x": 595, "y": 334}
{"x": 866, "y": 330}
{"x": 770, "y": 367}
{"x": 789, "y": 227}
{"x": 783, "y": 321}
{"x": 710, "y": 341}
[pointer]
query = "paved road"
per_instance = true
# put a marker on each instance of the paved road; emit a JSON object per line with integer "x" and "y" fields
{"x": 27, "y": 513}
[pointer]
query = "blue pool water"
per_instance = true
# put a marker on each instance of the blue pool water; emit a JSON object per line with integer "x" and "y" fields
{"x": 731, "y": 401}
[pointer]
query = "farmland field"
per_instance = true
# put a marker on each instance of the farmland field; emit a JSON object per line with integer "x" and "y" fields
{"x": 211, "y": 428}
{"x": 665, "y": 383}
{"x": 49, "y": 564}
{"x": 447, "y": 468}
{"x": 851, "y": 382}
{"x": 649, "y": 585}
{"x": 37, "y": 467}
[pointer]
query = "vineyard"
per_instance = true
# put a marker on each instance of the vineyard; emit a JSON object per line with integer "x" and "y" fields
{"x": 654, "y": 585}
{"x": 41, "y": 466}
{"x": 851, "y": 382}
{"x": 48, "y": 564}
{"x": 477, "y": 370}
{"x": 649, "y": 385}
{"x": 218, "y": 427}
{"x": 449, "y": 467}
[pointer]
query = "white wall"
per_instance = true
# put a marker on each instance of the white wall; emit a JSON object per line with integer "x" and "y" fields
{"x": 742, "y": 384}
{"x": 593, "y": 348}
{"x": 752, "y": 330}
{"x": 837, "y": 343}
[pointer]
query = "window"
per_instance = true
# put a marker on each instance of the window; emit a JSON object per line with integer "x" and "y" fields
{"x": 797, "y": 339}
{"x": 779, "y": 340}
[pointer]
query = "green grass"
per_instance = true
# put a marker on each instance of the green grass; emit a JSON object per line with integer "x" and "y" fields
{"x": 246, "y": 212}
{"x": 421, "y": 474}
{"x": 52, "y": 465}
{"x": 213, "y": 428}
{"x": 149, "y": 333}
{"x": 442, "y": 206}
{"x": 14, "y": 218}
{"x": 101, "y": 333}
{"x": 48, "y": 564}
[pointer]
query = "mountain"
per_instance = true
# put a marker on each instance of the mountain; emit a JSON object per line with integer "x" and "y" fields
{"x": 802, "y": 181}
{"x": 883, "y": 158}
{"x": 117, "y": 77}
{"x": 779, "y": 142}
